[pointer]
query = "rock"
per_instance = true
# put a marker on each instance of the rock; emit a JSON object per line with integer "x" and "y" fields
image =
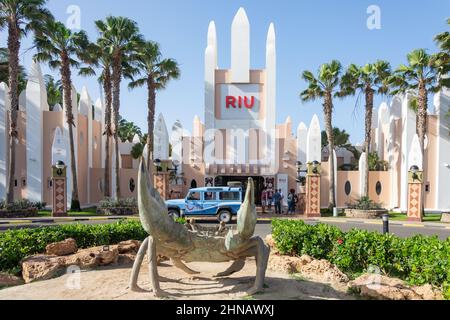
{"x": 270, "y": 242}
{"x": 427, "y": 292}
{"x": 108, "y": 257}
{"x": 8, "y": 280}
{"x": 323, "y": 270}
{"x": 445, "y": 217}
{"x": 41, "y": 267}
{"x": 126, "y": 259}
{"x": 62, "y": 248}
{"x": 44, "y": 267}
{"x": 130, "y": 246}
{"x": 380, "y": 287}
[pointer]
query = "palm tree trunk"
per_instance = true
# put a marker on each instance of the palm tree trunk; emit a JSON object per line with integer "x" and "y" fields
{"x": 108, "y": 131}
{"x": 67, "y": 90}
{"x": 116, "y": 78}
{"x": 13, "y": 67}
{"x": 328, "y": 112}
{"x": 150, "y": 119}
{"x": 422, "y": 116}
{"x": 369, "y": 111}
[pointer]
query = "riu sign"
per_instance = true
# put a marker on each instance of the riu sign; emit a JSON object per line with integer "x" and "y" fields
{"x": 239, "y": 102}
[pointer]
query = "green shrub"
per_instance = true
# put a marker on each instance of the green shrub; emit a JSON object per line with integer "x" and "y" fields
{"x": 22, "y": 204}
{"x": 18, "y": 244}
{"x": 364, "y": 203}
{"x": 417, "y": 260}
{"x": 120, "y": 203}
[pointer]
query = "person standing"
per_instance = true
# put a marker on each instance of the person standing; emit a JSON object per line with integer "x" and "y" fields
{"x": 277, "y": 202}
{"x": 281, "y": 200}
{"x": 269, "y": 198}
{"x": 264, "y": 200}
{"x": 291, "y": 202}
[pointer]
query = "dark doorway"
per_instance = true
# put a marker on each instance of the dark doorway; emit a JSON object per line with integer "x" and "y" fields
{"x": 222, "y": 181}
{"x": 193, "y": 184}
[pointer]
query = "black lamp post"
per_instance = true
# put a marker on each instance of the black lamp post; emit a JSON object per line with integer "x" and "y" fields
{"x": 157, "y": 163}
{"x": 414, "y": 169}
{"x": 300, "y": 179}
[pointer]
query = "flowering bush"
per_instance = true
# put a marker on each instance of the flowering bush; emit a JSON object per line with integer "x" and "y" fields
{"x": 418, "y": 260}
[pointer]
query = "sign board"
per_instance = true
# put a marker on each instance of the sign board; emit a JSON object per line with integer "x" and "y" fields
{"x": 240, "y": 101}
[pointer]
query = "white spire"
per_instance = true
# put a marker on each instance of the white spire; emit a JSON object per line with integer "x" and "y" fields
{"x": 240, "y": 47}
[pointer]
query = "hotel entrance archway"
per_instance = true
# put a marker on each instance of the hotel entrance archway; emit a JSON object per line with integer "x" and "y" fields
{"x": 222, "y": 181}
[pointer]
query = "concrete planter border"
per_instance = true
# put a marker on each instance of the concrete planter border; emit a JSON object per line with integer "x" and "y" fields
{"x": 365, "y": 214}
{"x": 21, "y": 213}
{"x": 118, "y": 211}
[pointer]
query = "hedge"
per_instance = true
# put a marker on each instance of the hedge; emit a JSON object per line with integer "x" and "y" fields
{"x": 418, "y": 260}
{"x": 18, "y": 244}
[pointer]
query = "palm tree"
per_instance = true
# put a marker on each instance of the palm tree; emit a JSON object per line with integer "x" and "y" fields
{"x": 325, "y": 86}
{"x": 120, "y": 38}
{"x": 155, "y": 74}
{"x": 60, "y": 47}
{"x": 127, "y": 130}
{"x": 421, "y": 76}
{"x": 369, "y": 80}
{"x": 19, "y": 17}
{"x": 4, "y": 70}
{"x": 54, "y": 91}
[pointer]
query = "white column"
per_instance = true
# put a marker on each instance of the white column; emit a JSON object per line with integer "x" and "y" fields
{"x": 302, "y": 135}
{"x": 35, "y": 105}
{"x": 271, "y": 81}
{"x": 240, "y": 48}
{"x": 314, "y": 141}
{"x": 85, "y": 108}
{"x": 4, "y": 106}
{"x": 210, "y": 76}
{"x": 442, "y": 107}
{"x": 362, "y": 173}
{"x": 161, "y": 139}
{"x": 176, "y": 139}
{"x": 408, "y": 132}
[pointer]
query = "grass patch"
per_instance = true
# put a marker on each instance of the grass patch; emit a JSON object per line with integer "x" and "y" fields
{"x": 87, "y": 212}
{"x": 428, "y": 217}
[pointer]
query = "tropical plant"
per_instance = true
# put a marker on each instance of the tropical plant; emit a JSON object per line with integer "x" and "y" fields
{"x": 19, "y": 17}
{"x": 325, "y": 87}
{"x": 443, "y": 41}
{"x": 54, "y": 91}
{"x": 61, "y": 47}
{"x": 369, "y": 80}
{"x": 155, "y": 73}
{"x": 375, "y": 164}
{"x": 120, "y": 38}
{"x": 128, "y": 130}
{"x": 421, "y": 76}
{"x": 4, "y": 72}
{"x": 341, "y": 138}
{"x": 137, "y": 150}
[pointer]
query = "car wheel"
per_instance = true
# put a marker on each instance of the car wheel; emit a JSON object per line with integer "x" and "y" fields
{"x": 225, "y": 216}
{"x": 174, "y": 214}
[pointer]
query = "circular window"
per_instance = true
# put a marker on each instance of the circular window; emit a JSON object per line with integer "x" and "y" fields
{"x": 348, "y": 188}
{"x": 378, "y": 188}
{"x": 132, "y": 185}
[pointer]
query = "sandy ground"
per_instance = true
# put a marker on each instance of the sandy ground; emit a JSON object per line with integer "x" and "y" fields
{"x": 110, "y": 283}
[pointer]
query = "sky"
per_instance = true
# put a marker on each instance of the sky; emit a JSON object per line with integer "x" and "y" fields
{"x": 308, "y": 34}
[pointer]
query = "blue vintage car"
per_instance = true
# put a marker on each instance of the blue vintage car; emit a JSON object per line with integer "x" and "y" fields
{"x": 222, "y": 202}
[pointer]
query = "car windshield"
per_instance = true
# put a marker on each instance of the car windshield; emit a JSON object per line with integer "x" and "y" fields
{"x": 194, "y": 196}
